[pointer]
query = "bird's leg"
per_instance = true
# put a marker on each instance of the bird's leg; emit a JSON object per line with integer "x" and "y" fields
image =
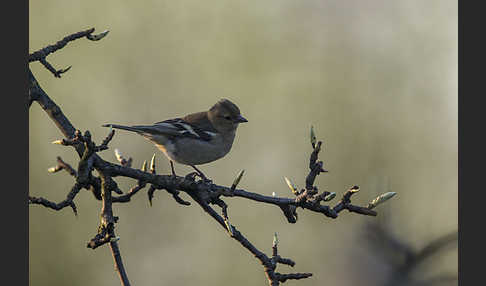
{"x": 172, "y": 168}
{"x": 201, "y": 174}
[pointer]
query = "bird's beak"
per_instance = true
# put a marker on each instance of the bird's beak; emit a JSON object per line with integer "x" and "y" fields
{"x": 241, "y": 119}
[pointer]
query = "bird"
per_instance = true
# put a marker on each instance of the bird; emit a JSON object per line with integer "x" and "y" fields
{"x": 195, "y": 139}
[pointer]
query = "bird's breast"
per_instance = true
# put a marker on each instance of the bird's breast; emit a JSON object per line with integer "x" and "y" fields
{"x": 189, "y": 151}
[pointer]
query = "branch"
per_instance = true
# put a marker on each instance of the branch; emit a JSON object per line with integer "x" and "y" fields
{"x": 115, "y": 250}
{"x": 269, "y": 264}
{"x": 204, "y": 192}
{"x": 36, "y": 93}
{"x": 41, "y": 54}
{"x": 106, "y": 230}
{"x": 67, "y": 202}
{"x": 186, "y": 184}
{"x": 127, "y": 197}
{"x": 61, "y": 165}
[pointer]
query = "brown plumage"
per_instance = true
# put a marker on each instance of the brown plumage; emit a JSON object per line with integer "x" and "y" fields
{"x": 197, "y": 138}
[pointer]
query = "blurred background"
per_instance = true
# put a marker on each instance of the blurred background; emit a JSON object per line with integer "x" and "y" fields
{"x": 376, "y": 79}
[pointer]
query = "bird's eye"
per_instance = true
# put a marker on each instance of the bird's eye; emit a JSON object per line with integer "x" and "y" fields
{"x": 227, "y": 117}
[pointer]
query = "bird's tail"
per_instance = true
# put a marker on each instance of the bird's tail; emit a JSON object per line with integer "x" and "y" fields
{"x": 129, "y": 128}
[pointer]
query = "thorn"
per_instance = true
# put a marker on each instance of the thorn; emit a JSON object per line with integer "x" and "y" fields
{"x": 229, "y": 227}
{"x": 118, "y": 191}
{"x": 118, "y": 155}
{"x": 54, "y": 169}
{"x": 291, "y": 185}
{"x": 312, "y": 137}
{"x": 381, "y": 199}
{"x": 237, "y": 180}
{"x": 354, "y": 189}
{"x": 150, "y": 194}
{"x": 64, "y": 70}
{"x": 330, "y": 197}
{"x": 98, "y": 36}
{"x": 275, "y": 240}
{"x": 152, "y": 164}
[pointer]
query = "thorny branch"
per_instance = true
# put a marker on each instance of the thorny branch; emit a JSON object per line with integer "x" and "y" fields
{"x": 41, "y": 55}
{"x": 204, "y": 193}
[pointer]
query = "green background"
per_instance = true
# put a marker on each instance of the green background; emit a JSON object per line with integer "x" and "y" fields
{"x": 377, "y": 79}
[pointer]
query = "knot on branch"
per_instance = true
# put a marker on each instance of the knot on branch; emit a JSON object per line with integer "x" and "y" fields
{"x": 105, "y": 234}
{"x": 106, "y": 229}
{"x": 305, "y": 195}
{"x": 85, "y": 165}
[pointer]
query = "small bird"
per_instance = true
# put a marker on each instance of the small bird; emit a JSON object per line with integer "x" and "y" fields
{"x": 194, "y": 139}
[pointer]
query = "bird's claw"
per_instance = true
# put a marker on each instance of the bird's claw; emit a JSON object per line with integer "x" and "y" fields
{"x": 192, "y": 176}
{"x": 207, "y": 181}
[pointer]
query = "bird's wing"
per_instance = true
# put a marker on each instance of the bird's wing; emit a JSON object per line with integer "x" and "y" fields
{"x": 180, "y": 128}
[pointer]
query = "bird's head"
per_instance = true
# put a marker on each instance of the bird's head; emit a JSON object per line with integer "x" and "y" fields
{"x": 225, "y": 116}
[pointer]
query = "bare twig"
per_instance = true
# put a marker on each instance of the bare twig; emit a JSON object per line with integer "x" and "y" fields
{"x": 126, "y": 197}
{"x": 41, "y": 54}
{"x": 115, "y": 250}
{"x": 61, "y": 165}
{"x": 67, "y": 202}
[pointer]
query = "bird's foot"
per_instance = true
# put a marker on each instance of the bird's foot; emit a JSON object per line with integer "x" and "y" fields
{"x": 192, "y": 176}
{"x": 201, "y": 175}
{"x": 172, "y": 169}
{"x": 206, "y": 180}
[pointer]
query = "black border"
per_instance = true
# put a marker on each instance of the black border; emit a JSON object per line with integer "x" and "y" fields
{"x": 471, "y": 118}
{"x": 15, "y": 144}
